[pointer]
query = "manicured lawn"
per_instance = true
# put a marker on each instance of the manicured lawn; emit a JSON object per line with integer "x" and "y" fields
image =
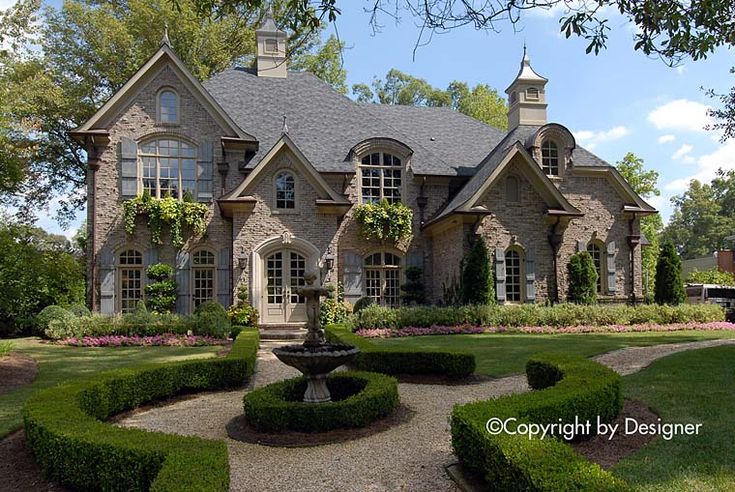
{"x": 503, "y": 354}
{"x": 59, "y": 363}
{"x": 689, "y": 387}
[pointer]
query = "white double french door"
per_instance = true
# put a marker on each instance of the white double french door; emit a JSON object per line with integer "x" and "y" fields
{"x": 284, "y": 274}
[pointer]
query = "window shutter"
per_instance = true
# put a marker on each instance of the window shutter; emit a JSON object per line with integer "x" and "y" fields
{"x": 183, "y": 300}
{"x": 151, "y": 258}
{"x": 205, "y": 159}
{"x": 611, "y": 273}
{"x": 224, "y": 287}
{"x": 128, "y": 167}
{"x": 581, "y": 246}
{"x": 352, "y": 276}
{"x": 107, "y": 282}
{"x": 414, "y": 259}
{"x": 500, "y": 274}
{"x": 530, "y": 277}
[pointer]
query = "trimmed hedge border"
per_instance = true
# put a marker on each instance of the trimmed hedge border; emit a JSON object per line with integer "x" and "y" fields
{"x": 401, "y": 361}
{"x": 65, "y": 429}
{"x": 569, "y": 387}
{"x": 274, "y": 408}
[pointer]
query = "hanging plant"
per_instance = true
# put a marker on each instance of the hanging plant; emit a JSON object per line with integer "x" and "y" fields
{"x": 385, "y": 221}
{"x": 169, "y": 211}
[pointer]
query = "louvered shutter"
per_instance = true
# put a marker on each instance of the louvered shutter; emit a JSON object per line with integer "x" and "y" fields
{"x": 500, "y": 274}
{"x": 107, "y": 282}
{"x": 530, "y": 277}
{"x": 128, "y": 167}
{"x": 611, "y": 272}
{"x": 352, "y": 276}
{"x": 183, "y": 299}
{"x": 224, "y": 276}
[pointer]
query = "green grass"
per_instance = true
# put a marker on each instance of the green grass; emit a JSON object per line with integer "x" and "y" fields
{"x": 6, "y": 348}
{"x": 689, "y": 387}
{"x": 503, "y": 354}
{"x": 58, "y": 363}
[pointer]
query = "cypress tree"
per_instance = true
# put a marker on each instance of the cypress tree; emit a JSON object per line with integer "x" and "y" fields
{"x": 477, "y": 280}
{"x": 669, "y": 283}
{"x": 582, "y": 279}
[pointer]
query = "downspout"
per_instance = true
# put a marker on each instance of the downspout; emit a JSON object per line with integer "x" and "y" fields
{"x": 633, "y": 240}
{"x": 555, "y": 243}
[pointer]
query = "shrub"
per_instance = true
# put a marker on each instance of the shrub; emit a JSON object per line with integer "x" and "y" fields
{"x": 359, "y": 398}
{"x": 477, "y": 280}
{"x": 390, "y": 361}
{"x": 362, "y": 303}
{"x": 569, "y": 387}
{"x": 413, "y": 292}
{"x": 242, "y": 312}
{"x": 711, "y": 276}
{"x": 210, "y": 318}
{"x": 64, "y": 429}
{"x": 162, "y": 292}
{"x": 50, "y": 314}
{"x": 79, "y": 310}
{"x": 669, "y": 286}
{"x": 384, "y": 221}
{"x": 6, "y": 348}
{"x": 140, "y": 323}
{"x": 582, "y": 279}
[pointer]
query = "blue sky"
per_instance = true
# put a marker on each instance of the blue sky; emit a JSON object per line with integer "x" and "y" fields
{"x": 616, "y": 102}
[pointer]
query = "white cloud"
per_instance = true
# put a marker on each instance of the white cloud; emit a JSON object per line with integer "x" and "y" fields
{"x": 6, "y": 4}
{"x": 663, "y": 139}
{"x": 681, "y": 114}
{"x": 591, "y": 139}
{"x": 683, "y": 152}
{"x": 707, "y": 166}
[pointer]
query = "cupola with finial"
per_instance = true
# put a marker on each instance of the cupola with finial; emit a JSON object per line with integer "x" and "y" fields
{"x": 271, "y": 45}
{"x": 526, "y": 96}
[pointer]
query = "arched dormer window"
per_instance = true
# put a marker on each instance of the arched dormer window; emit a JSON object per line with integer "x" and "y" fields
{"x": 595, "y": 250}
{"x": 380, "y": 177}
{"x": 512, "y": 190}
{"x": 285, "y": 191}
{"x": 514, "y": 285}
{"x": 168, "y": 106}
{"x": 550, "y": 158}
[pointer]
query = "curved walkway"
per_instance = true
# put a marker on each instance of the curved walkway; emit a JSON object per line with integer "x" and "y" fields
{"x": 411, "y": 456}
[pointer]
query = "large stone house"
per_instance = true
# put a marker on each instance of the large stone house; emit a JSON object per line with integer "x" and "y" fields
{"x": 282, "y": 160}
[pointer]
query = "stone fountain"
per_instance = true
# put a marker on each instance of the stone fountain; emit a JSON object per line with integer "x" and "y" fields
{"x": 315, "y": 358}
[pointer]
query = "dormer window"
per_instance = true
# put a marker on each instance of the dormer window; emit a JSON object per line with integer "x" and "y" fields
{"x": 550, "y": 158}
{"x": 380, "y": 174}
{"x": 285, "y": 191}
{"x": 271, "y": 46}
{"x": 168, "y": 106}
{"x": 532, "y": 94}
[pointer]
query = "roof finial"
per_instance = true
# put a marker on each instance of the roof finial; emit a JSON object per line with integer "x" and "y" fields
{"x": 284, "y": 129}
{"x": 165, "y": 39}
{"x": 526, "y": 60}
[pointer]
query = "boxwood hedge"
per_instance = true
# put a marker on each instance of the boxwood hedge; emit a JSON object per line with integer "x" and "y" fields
{"x": 568, "y": 387}
{"x": 360, "y": 398}
{"x": 403, "y": 361}
{"x": 65, "y": 429}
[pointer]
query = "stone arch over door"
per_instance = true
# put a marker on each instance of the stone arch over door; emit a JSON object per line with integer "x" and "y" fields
{"x": 291, "y": 256}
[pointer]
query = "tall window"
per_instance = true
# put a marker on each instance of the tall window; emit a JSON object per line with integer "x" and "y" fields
{"x": 550, "y": 158}
{"x": 513, "y": 276}
{"x": 595, "y": 252}
{"x": 512, "y": 189}
{"x": 203, "y": 267}
{"x": 168, "y": 107}
{"x": 381, "y": 177}
{"x": 170, "y": 168}
{"x": 285, "y": 191}
{"x": 130, "y": 272}
{"x": 383, "y": 278}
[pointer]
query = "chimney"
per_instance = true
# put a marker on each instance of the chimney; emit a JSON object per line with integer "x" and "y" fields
{"x": 526, "y": 97}
{"x": 271, "y": 42}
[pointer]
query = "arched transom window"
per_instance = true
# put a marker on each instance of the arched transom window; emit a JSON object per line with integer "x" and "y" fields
{"x": 513, "y": 277}
{"x": 380, "y": 174}
{"x": 130, "y": 283}
{"x": 383, "y": 278}
{"x": 285, "y": 191}
{"x": 168, "y": 106}
{"x": 169, "y": 168}
{"x": 550, "y": 158}
{"x": 595, "y": 251}
{"x": 203, "y": 269}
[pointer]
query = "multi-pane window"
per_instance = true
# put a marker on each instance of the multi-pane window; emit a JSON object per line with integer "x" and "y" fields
{"x": 130, "y": 271}
{"x": 383, "y": 278}
{"x": 296, "y": 277}
{"x": 170, "y": 169}
{"x": 550, "y": 158}
{"x": 203, "y": 268}
{"x": 596, "y": 253}
{"x": 380, "y": 174}
{"x": 168, "y": 107}
{"x": 285, "y": 191}
{"x": 513, "y": 276}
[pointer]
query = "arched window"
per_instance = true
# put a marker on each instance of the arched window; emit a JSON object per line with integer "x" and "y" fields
{"x": 550, "y": 158}
{"x": 130, "y": 283}
{"x": 168, "y": 106}
{"x": 203, "y": 269}
{"x": 513, "y": 280}
{"x": 595, "y": 251}
{"x": 383, "y": 278}
{"x": 169, "y": 168}
{"x": 380, "y": 173}
{"x": 512, "y": 190}
{"x": 285, "y": 191}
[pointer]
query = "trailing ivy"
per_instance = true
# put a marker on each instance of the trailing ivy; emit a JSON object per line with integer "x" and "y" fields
{"x": 169, "y": 211}
{"x": 385, "y": 220}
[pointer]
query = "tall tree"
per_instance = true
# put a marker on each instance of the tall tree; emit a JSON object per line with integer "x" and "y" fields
{"x": 669, "y": 284}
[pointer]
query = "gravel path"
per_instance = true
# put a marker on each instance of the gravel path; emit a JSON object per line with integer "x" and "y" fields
{"x": 411, "y": 456}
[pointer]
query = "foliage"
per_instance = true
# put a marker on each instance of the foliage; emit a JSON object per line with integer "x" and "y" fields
{"x": 362, "y": 303}
{"x": 413, "y": 291}
{"x": 139, "y": 323}
{"x": 167, "y": 340}
{"x": 159, "y": 272}
{"x": 210, "y": 318}
{"x": 65, "y": 431}
{"x": 713, "y": 276}
{"x": 37, "y": 269}
{"x": 669, "y": 285}
{"x": 582, "y": 279}
{"x": 477, "y": 279}
{"x": 6, "y": 347}
{"x": 452, "y": 364}
{"x": 161, "y": 294}
{"x": 385, "y": 221}
{"x": 242, "y": 313}
{"x": 176, "y": 214}
{"x": 49, "y": 314}
{"x": 334, "y": 309}
{"x": 512, "y": 315}
{"x": 79, "y": 310}
{"x": 452, "y": 293}
{"x": 358, "y": 399}
{"x": 326, "y": 63}
{"x": 568, "y": 388}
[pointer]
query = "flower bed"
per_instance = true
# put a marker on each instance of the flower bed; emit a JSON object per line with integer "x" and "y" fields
{"x": 165, "y": 340}
{"x": 412, "y": 331}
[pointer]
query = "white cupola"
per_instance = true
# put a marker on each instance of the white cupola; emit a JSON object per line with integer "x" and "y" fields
{"x": 271, "y": 43}
{"x": 526, "y": 97}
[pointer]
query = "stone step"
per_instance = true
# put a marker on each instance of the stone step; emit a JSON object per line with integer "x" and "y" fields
{"x": 282, "y": 333}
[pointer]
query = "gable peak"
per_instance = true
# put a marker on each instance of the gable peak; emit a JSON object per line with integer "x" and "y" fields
{"x": 165, "y": 41}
